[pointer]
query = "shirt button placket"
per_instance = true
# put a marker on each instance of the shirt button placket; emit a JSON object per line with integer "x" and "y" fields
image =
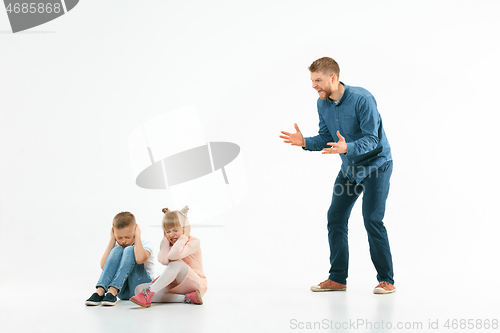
{"x": 337, "y": 118}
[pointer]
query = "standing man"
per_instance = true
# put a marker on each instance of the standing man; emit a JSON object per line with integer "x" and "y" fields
{"x": 350, "y": 125}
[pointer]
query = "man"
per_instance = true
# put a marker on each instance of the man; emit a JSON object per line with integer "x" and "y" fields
{"x": 350, "y": 125}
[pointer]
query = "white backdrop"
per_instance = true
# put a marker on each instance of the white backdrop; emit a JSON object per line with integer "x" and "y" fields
{"x": 73, "y": 89}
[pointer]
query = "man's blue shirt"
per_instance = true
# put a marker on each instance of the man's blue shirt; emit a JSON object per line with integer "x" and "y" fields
{"x": 357, "y": 119}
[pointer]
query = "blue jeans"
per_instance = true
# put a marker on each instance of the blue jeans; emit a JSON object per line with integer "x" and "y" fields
{"x": 345, "y": 193}
{"x": 122, "y": 272}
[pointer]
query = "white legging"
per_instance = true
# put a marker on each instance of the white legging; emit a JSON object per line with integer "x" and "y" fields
{"x": 175, "y": 270}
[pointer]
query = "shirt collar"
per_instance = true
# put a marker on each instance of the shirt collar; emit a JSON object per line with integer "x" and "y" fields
{"x": 346, "y": 89}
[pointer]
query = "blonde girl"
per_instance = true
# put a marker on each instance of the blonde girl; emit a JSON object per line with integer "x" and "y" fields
{"x": 183, "y": 279}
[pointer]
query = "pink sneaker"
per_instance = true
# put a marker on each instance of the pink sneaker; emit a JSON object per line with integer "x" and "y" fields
{"x": 143, "y": 298}
{"x": 193, "y": 298}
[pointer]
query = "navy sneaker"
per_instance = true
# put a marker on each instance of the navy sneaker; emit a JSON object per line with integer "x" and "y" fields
{"x": 95, "y": 299}
{"x": 109, "y": 299}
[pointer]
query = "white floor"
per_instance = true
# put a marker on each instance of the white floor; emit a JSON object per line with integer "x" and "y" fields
{"x": 243, "y": 306}
{"x": 265, "y": 288}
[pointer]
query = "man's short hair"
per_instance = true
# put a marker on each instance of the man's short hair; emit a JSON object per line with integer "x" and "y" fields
{"x": 326, "y": 66}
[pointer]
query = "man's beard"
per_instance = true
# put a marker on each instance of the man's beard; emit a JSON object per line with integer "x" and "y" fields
{"x": 325, "y": 95}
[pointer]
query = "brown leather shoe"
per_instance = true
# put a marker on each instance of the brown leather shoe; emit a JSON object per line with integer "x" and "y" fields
{"x": 384, "y": 287}
{"x": 329, "y": 285}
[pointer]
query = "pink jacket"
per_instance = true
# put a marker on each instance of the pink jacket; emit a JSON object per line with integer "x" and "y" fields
{"x": 187, "y": 249}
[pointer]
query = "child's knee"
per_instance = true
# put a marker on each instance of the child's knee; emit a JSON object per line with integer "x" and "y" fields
{"x": 129, "y": 250}
{"x": 176, "y": 263}
{"x": 179, "y": 266}
{"x": 116, "y": 250}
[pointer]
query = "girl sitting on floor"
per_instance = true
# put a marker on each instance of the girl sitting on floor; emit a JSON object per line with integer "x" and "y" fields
{"x": 183, "y": 279}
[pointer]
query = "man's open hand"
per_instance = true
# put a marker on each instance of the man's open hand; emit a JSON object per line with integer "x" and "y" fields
{"x": 295, "y": 139}
{"x": 339, "y": 147}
